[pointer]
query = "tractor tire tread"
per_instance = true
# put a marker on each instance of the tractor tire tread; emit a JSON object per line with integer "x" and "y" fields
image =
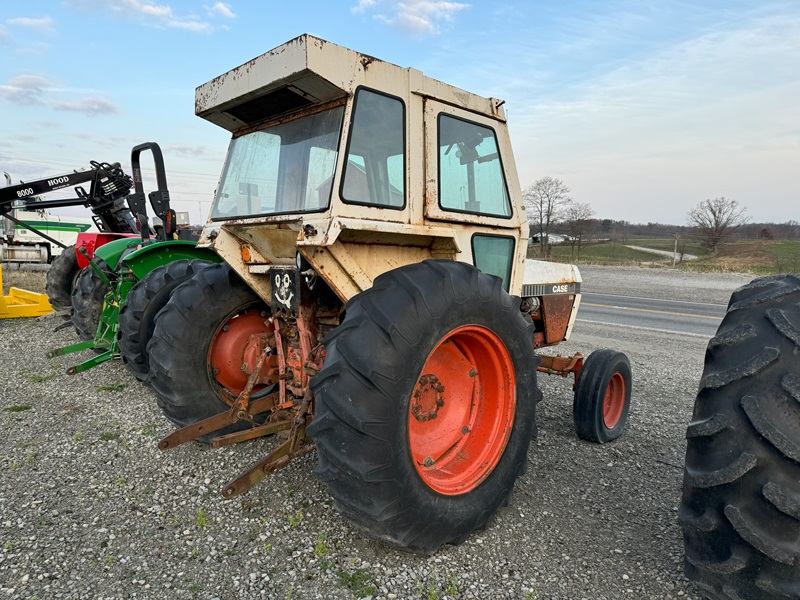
{"x": 178, "y": 349}
{"x": 142, "y": 304}
{"x": 87, "y": 300}
{"x": 739, "y": 510}
{"x": 360, "y": 387}
{"x": 61, "y": 278}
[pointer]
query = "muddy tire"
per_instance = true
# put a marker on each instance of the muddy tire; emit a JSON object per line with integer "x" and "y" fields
{"x": 184, "y": 348}
{"x": 602, "y": 396}
{"x": 87, "y": 300}
{"x": 740, "y": 510}
{"x": 424, "y": 407}
{"x": 143, "y": 302}
{"x": 61, "y": 278}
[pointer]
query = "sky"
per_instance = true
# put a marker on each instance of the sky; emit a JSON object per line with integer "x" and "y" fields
{"x": 642, "y": 108}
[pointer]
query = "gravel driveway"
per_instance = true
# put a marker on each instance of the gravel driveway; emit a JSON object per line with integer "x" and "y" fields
{"x": 90, "y": 508}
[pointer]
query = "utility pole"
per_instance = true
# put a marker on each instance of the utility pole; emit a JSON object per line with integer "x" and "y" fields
{"x": 675, "y": 250}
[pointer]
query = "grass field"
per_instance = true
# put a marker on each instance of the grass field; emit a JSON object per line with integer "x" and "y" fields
{"x": 33, "y": 281}
{"x": 762, "y": 257}
{"x": 606, "y": 253}
{"x": 686, "y": 245}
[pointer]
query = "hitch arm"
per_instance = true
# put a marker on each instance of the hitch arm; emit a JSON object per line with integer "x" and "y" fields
{"x": 562, "y": 365}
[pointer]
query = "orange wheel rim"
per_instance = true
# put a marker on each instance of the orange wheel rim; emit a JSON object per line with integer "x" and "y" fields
{"x": 461, "y": 410}
{"x": 226, "y": 354}
{"x": 614, "y": 401}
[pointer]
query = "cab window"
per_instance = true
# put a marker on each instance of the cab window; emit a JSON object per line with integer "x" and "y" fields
{"x": 375, "y": 171}
{"x": 494, "y": 254}
{"x": 470, "y": 172}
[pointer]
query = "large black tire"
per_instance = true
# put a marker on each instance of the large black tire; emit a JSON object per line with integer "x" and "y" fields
{"x": 186, "y": 387}
{"x": 87, "y": 300}
{"x": 740, "y": 510}
{"x": 143, "y": 302}
{"x": 61, "y": 278}
{"x": 366, "y": 404}
{"x": 602, "y": 396}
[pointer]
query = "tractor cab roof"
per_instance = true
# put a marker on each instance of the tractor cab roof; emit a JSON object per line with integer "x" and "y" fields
{"x": 308, "y": 72}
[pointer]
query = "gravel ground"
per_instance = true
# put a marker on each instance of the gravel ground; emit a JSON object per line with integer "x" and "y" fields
{"x": 90, "y": 508}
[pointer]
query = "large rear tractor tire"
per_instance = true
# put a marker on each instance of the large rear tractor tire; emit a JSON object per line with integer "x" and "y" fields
{"x": 602, "y": 396}
{"x": 425, "y": 405}
{"x": 87, "y": 300}
{"x": 740, "y": 510}
{"x": 143, "y": 302}
{"x": 61, "y": 278}
{"x": 197, "y": 344}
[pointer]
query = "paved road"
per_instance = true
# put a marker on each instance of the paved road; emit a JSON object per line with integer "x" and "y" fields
{"x": 692, "y": 318}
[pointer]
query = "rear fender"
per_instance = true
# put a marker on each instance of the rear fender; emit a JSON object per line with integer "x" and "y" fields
{"x": 111, "y": 251}
{"x": 143, "y": 260}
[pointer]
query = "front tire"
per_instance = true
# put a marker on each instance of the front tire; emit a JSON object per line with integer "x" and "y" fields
{"x": 740, "y": 510}
{"x": 425, "y": 405}
{"x": 61, "y": 278}
{"x": 602, "y": 396}
{"x": 195, "y": 370}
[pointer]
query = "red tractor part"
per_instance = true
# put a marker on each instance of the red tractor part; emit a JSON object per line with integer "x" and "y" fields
{"x": 92, "y": 241}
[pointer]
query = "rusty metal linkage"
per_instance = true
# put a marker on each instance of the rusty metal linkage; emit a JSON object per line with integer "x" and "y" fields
{"x": 286, "y": 356}
{"x": 562, "y": 365}
{"x": 211, "y": 424}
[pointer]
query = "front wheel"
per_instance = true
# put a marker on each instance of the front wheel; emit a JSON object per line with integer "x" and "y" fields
{"x": 602, "y": 396}
{"x": 424, "y": 407}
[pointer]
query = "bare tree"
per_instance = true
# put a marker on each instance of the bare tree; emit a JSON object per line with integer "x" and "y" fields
{"x": 715, "y": 220}
{"x": 577, "y": 217}
{"x": 544, "y": 203}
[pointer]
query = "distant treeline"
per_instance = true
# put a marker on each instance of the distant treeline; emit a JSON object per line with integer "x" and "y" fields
{"x": 609, "y": 228}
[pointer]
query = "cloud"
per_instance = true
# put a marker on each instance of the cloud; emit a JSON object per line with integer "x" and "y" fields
{"x": 91, "y": 106}
{"x": 25, "y": 89}
{"x": 150, "y": 13}
{"x": 362, "y": 6}
{"x": 147, "y": 8}
{"x": 197, "y": 151}
{"x": 188, "y": 25}
{"x": 223, "y": 10}
{"x": 414, "y": 17}
{"x": 44, "y": 24}
{"x": 699, "y": 116}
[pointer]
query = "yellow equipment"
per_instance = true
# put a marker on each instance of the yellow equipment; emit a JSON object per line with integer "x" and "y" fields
{"x": 22, "y": 303}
